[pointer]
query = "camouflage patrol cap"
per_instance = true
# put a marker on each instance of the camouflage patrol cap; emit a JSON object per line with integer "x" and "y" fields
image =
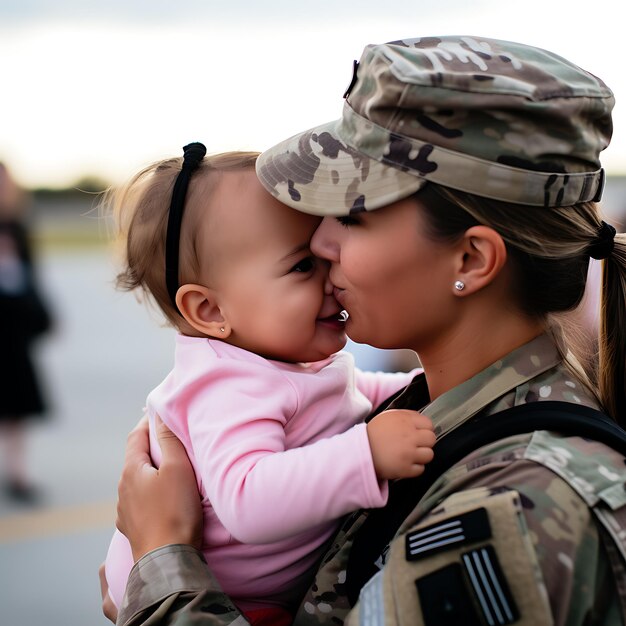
{"x": 494, "y": 118}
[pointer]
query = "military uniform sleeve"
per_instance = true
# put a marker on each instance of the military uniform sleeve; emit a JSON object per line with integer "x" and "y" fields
{"x": 501, "y": 539}
{"x": 173, "y": 586}
{"x": 566, "y": 536}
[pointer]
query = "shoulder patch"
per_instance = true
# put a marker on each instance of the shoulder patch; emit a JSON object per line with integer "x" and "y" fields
{"x": 473, "y": 592}
{"x": 470, "y": 562}
{"x": 445, "y": 599}
{"x": 490, "y": 586}
{"x": 452, "y": 532}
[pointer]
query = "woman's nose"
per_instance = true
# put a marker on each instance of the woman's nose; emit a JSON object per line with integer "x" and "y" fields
{"x": 328, "y": 286}
{"x": 324, "y": 243}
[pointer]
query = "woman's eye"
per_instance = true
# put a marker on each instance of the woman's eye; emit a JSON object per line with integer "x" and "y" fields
{"x": 347, "y": 220}
{"x": 304, "y": 266}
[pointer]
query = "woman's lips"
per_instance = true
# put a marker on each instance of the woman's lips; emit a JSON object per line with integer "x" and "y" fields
{"x": 338, "y": 294}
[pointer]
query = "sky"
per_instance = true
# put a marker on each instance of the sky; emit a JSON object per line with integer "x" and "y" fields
{"x": 93, "y": 88}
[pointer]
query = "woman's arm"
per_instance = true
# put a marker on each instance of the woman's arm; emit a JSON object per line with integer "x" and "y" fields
{"x": 173, "y": 586}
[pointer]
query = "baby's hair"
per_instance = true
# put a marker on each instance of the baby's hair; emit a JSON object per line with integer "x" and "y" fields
{"x": 141, "y": 210}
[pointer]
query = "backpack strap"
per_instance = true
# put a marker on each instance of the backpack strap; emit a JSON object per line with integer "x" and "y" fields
{"x": 382, "y": 524}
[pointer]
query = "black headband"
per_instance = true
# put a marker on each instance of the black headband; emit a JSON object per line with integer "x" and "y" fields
{"x": 194, "y": 153}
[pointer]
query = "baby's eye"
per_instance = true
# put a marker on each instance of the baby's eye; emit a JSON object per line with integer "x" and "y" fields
{"x": 305, "y": 265}
{"x": 347, "y": 220}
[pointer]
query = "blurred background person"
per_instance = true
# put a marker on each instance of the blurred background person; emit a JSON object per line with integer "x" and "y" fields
{"x": 24, "y": 316}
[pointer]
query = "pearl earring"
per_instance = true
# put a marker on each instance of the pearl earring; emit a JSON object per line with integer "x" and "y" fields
{"x": 459, "y": 285}
{"x": 222, "y": 330}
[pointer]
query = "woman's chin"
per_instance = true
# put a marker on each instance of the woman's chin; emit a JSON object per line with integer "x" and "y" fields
{"x": 360, "y": 335}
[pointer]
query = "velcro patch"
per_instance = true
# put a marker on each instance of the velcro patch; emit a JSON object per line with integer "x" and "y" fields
{"x": 445, "y": 599}
{"x": 454, "y": 531}
{"x": 490, "y": 586}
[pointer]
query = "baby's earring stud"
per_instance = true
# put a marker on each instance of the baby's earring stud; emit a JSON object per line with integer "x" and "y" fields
{"x": 459, "y": 285}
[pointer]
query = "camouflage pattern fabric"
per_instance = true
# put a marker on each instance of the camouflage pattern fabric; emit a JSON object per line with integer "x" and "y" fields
{"x": 557, "y": 508}
{"x": 499, "y": 119}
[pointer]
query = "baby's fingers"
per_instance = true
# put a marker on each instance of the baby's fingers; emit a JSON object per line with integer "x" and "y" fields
{"x": 423, "y": 456}
{"x": 424, "y": 438}
{"x": 421, "y": 421}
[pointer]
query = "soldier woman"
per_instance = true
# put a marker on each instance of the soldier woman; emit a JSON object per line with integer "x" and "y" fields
{"x": 459, "y": 191}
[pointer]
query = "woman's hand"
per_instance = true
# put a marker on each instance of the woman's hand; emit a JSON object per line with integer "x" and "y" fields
{"x": 157, "y": 507}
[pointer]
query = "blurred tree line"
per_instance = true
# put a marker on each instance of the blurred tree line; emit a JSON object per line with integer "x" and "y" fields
{"x": 72, "y": 216}
{"x": 85, "y": 185}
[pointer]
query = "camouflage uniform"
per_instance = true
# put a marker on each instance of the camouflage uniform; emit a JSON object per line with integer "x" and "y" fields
{"x": 557, "y": 516}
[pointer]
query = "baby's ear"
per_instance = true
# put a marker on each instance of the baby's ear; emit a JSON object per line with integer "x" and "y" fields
{"x": 198, "y": 305}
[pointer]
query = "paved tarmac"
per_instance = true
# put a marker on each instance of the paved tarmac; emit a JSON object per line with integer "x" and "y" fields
{"x": 105, "y": 354}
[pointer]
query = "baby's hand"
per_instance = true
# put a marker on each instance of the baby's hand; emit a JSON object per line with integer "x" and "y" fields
{"x": 401, "y": 442}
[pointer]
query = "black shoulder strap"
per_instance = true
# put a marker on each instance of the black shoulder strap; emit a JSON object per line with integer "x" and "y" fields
{"x": 381, "y": 525}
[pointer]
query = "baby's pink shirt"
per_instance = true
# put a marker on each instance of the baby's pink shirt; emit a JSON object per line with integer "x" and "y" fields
{"x": 280, "y": 452}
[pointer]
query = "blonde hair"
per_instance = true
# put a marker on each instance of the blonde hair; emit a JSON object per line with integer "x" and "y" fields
{"x": 141, "y": 211}
{"x": 549, "y": 253}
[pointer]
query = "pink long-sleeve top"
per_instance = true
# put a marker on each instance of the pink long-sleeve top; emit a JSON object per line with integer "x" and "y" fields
{"x": 280, "y": 452}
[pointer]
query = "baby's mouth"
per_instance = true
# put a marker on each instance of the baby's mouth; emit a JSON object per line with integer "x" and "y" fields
{"x": 338, "y": 318}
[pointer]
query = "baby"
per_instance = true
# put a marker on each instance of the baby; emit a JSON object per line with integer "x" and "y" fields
{"x": 269, "y": 408}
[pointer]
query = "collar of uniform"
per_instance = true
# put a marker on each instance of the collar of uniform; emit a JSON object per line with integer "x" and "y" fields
{"x": 452, "y": 408}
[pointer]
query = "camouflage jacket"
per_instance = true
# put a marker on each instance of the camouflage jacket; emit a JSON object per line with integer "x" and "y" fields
{"x": 528, "y": 530}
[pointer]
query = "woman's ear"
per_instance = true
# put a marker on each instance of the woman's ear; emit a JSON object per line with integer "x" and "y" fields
{"x": 483, "y": 255}
{"x": 200, "y": 308}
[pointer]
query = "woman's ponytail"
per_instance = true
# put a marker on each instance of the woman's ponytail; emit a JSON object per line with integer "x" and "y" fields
{"x": 612, "y": 333}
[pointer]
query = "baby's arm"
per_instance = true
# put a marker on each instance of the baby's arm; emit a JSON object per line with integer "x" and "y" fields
{"x": 260, "y": 491}
{"x": 378, "y": 386}
{"x": 401, "y": 442}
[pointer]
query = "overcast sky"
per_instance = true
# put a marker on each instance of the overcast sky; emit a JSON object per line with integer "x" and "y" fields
{"x": 103, "y": 88}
